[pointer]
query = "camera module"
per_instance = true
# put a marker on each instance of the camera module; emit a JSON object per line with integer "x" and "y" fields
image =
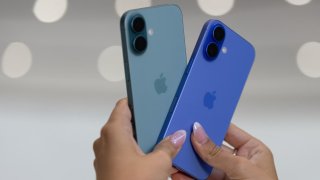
{"x": 140, "y": 44}
{"x": 212, "y": 50}
{"x": 219, "y": 33}
{"x": 137, "y": 24}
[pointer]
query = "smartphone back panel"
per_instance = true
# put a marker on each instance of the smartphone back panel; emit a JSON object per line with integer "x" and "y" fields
{"x": 152, "y": 77}
{"x": 209, "y": 93}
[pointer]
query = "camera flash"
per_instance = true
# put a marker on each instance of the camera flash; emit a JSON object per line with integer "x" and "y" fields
{"x": 224, "y": 50}
{"x": 150, "y": 32}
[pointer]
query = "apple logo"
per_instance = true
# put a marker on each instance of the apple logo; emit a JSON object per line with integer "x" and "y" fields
{"x": 209, "y": 99}
{"x": 160, "y": 84}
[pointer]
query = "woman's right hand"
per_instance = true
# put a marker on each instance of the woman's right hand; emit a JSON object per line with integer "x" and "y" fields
{"x": 252, "y": 159}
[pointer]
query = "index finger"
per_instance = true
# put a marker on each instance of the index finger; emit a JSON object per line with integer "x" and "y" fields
{"x": 119, "y": 121}
{"x": 121, "y": 112}
{"x": 117, "y": 132}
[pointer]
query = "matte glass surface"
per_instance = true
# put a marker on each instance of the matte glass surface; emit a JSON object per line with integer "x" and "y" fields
{"x": 160, "y": 67}
{"x": 209, "y": 93}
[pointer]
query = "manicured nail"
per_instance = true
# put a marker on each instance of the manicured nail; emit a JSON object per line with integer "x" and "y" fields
{"x": 199, "y": 133}
{"x": 178, "y": 138}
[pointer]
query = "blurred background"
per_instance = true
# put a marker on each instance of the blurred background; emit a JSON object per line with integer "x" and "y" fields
{"x": 61, "y": 74}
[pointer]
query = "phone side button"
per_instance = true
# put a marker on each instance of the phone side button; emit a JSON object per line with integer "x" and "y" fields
{"x": 133, "y": 124}
{"x": 127, "y": 77}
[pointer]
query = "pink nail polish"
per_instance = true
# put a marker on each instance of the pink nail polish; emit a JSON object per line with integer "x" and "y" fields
{"x": 199, "y": 133}
{"x": 178, "y": 138}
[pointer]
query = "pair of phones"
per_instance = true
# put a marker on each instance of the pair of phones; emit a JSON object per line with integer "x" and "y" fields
{"x": 165, "y": 94}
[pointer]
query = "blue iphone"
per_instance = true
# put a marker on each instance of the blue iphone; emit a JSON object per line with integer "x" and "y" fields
{"x": 209, "y": 91}
{"x": 154, "y": 61}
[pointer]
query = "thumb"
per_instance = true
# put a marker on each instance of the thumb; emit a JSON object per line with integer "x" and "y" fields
{"x": 214, "y": 155}
{"x": 168, "y": 148}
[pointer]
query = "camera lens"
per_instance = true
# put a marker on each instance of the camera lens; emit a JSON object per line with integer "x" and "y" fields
{"x": 212, "y": 50}
{"x": 140, "y": 44}
{"x": 138, "y": 24}
{"x": 219, "y": 33}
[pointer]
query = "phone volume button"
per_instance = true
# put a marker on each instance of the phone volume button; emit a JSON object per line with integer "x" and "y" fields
{"x": 127, "y": 76}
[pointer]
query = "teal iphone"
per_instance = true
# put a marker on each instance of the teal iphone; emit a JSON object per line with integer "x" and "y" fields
{"x": 154, "y": 60}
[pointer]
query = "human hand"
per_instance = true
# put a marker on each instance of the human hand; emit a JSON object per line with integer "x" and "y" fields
{"x": 119, "y": 157}
{"x": 252, "y": 159}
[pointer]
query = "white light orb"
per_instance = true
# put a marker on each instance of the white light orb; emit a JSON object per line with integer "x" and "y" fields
{"x": 16, "y": 60}
{"x": 122, "y": 6}
{"x": 216, "y": 7}
{"x": 110, "y": 64}
{"x": 50, "y": 11}
{"x": 298, "y": 2}
{"x": 308, "y": 59}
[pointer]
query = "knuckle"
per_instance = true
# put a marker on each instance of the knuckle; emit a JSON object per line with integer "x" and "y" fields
{"x": 95, "y": 163}
{"x": 207, "y": 158}
{"x": 106, "y": 130}
{"x": 264, "y": 149}
{"x": 122, "y": 109}
{"x": 96, "y": 144}
{"x": 164, "y": 156}
{"x": 269, "y": 152}
{"x": 121, "y": 102}
{"x": 212, "y": 151}
{"x": 171, "y": 149}
{"x": 166, "y": 150}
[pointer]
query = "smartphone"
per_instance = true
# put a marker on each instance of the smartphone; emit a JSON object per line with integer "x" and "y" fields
{"x": 154, "y": 60}
{"x": 209, "y": 91}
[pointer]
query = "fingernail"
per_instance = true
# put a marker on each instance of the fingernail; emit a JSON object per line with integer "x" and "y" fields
{"x": 178, "y": 138}
{"x": 199, "y": 133}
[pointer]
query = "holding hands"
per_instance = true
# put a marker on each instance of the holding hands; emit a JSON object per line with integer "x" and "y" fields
{"x": 119, "y": 157}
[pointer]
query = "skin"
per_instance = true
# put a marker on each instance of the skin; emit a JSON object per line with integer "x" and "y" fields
{"x": 119, "y": 157}
{"x": 253, "y": 159}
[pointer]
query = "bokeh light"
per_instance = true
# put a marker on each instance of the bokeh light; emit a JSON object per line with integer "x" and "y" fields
{"x": 308, "y": 59}
{"x": 110, "y": 64}
{"x": 16, "y": 60}
{"x": 216, "y": 7}
{"x": 124, "y": 5}
{"x": 49, "y": 11}
{"x": 298, "y": 2}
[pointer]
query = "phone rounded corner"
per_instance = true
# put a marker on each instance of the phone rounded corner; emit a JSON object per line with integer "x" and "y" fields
{"x": 252, "y": 51}
{"x": 177, "y": 7}
{"x": 123, "y": 18}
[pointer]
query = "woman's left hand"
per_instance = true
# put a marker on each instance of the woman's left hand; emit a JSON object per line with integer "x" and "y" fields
{"x": 119, "y": 157}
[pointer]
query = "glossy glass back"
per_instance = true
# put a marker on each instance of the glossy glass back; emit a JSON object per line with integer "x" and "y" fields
{"x": 153, "y": 76}
{"x": 209, "y": 93}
